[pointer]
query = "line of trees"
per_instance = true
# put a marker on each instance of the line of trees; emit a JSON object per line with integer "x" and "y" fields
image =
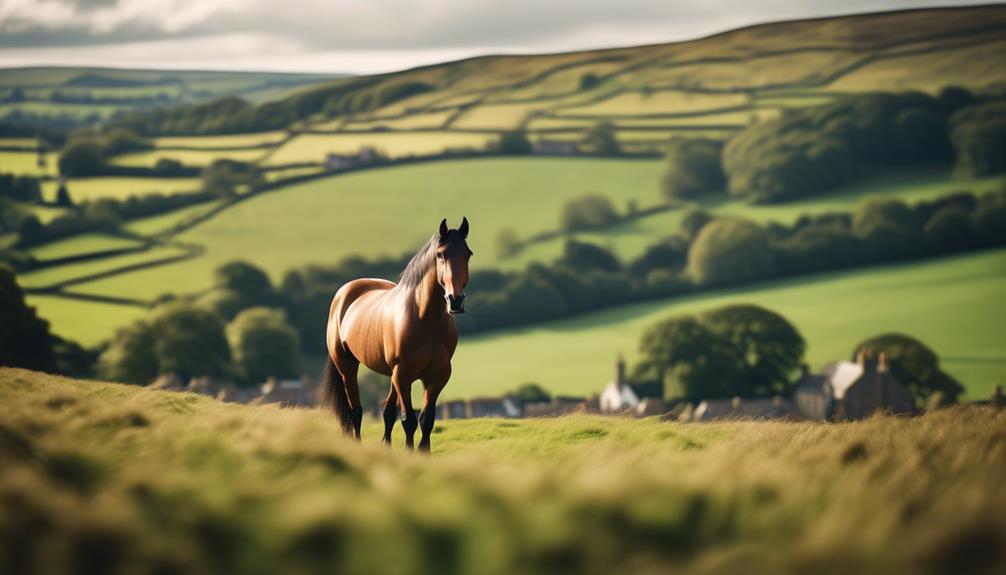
{"x": 233, "y": 115}
{"x": 707, "y": 252}
{"x": 752, "y": 352}
{"x": 810, "y": 151}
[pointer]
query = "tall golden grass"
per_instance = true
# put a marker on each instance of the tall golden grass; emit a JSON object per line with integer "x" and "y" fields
{"x": 107, "y": 478}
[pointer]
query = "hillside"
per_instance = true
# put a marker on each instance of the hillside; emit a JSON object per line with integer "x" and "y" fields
{"x": 109, "y": 478}
{"x": 66, "y": 96}
{"x": 707, "y": 87}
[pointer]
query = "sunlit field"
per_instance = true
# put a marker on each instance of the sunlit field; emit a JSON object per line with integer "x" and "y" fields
{"x": 955, "y": 305}
{"x": 161, "y": 480}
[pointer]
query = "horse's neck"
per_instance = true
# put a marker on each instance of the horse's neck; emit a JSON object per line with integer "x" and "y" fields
{"x": 430, "y": 296}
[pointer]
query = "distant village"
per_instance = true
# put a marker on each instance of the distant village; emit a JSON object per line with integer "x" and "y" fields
{"x": 843, "y": 390}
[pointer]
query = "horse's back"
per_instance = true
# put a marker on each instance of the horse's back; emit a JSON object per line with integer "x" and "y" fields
{"x": 360, "y": 300}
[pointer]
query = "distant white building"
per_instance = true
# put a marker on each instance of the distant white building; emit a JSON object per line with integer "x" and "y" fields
{"x": 618, "y": 396}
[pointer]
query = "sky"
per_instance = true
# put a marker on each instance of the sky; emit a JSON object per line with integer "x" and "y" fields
{"x": 366, "y": 36}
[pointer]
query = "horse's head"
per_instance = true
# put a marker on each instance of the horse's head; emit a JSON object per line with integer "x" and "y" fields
{"x": 452, "y": 264}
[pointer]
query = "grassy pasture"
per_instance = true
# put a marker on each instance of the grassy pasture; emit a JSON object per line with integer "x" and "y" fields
{"x": 135, "y": 480}
{"x": 807, "y": 66}
{"x": 26, "y": 164}
{"x": 274, "y": 175}
{"x": 86, "y": 322}
{"x": 631, "y": 238}
{"x": 230, "y": 141}
{"x": 389, "y": 212}
{"x": 50, "y": 276}
{"x": 18, "y": 143}
{"x": 119, "y": 188}
{"x": 930, "y": 71}
{"x": 315, "y": 147}
{"x": 429, "y": 120}
{"x": 954, "y": 305}
{"x": 155, "y": 225}
{"x": 188, "y": 157}
{"x": 81, "y": 244}
{"x": 495, "y": 116}
{"x": 664, "y": 102}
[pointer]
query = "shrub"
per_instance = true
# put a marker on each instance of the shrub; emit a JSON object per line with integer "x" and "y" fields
{"x": 693, "y": 169}
{"x": 514, "y": 142}
{"x": 588, "y": 212}
{"x": 601, "y": 140}
{"x": 730, "y": 251}
{"x": 263, "y": 345}
{"x": 978, "y": 134}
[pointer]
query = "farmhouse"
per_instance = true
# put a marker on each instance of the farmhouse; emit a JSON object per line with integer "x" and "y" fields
{"x": 852, "y": 390}
{"x": 288, "y": 393}
{"x": 493, "y": 407}
{"x": 737, "y": 408}
{"x": 619, "y": 397}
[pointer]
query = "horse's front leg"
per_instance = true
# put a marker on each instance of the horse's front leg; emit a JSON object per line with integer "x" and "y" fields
{"x": 427, "y": 417}
{"x": 402, "y": 382}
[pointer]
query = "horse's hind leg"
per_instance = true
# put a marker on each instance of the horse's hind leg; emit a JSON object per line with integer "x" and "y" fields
{"x": 390, "y": 414}
{"x": 349, "y": 367}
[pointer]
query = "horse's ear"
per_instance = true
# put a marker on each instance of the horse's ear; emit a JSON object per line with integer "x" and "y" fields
{"x": 443, "y": 228}
{"x": 464, "y": 228}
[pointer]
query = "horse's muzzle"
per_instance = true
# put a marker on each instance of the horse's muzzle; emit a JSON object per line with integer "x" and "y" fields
{"x": 455, "y": 304}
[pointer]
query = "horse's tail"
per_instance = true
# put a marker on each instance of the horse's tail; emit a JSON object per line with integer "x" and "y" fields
{"x": 335, "y": 395}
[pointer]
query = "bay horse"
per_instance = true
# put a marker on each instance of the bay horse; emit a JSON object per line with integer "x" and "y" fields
{"x": 403, "y": 330}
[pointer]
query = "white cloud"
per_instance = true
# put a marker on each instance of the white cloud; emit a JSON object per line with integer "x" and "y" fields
{"x": 365, "y": 35}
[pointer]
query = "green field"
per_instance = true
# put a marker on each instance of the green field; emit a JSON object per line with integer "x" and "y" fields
{"x": 90, "y": 322}
{"x": 47, "y": 277}
{"x": 954, "y": 305}
{"x": 631, "y": 238}
{"x": 119, "y": 188}
{"x": 209, "y": 142}
{"x": 81, "y": 244}
{"x": 389, "y": 212}
{"x": 113, "y": 478}
{"x": 314, "y": 148}
{"x": 26, "y": 164}
{"x": 189, "y": 157}
{"x": 155, "y": 225}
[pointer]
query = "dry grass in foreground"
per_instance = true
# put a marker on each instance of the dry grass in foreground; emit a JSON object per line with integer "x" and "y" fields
{"x": 106, "y": 478}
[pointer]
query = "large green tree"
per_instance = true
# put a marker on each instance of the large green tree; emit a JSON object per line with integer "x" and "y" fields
{"x": 24, "y": 337}
{"x": 914, "y": 364}
{"x": 693, "y": 361}
{"x": 264, "y": 345}
{"x": 769, "y": 348}
{"x": 177, "y": 337}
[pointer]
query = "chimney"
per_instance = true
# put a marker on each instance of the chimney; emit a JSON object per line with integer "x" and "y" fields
{"x": 619, "y": 371}
{"x": 882, "y": 362}
{"x": 997, "y": 396}
{"x": 861, "y": 357}
{"x": 804, "y": 371}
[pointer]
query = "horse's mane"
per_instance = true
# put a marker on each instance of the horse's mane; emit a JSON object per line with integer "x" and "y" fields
{"x": 419, "y": 265}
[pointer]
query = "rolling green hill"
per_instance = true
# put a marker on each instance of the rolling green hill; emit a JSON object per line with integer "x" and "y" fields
{"x": 103, "y": 477}
{"x": 711, "y": 87}
{"x": 954, "y": 305}
{"x": 66, "y": 96}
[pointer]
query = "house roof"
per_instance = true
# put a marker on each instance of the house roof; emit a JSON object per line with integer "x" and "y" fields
{"x": 841, "y": 375}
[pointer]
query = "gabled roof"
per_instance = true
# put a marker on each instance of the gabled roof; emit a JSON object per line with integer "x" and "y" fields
{"x": 841, "y": 375}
